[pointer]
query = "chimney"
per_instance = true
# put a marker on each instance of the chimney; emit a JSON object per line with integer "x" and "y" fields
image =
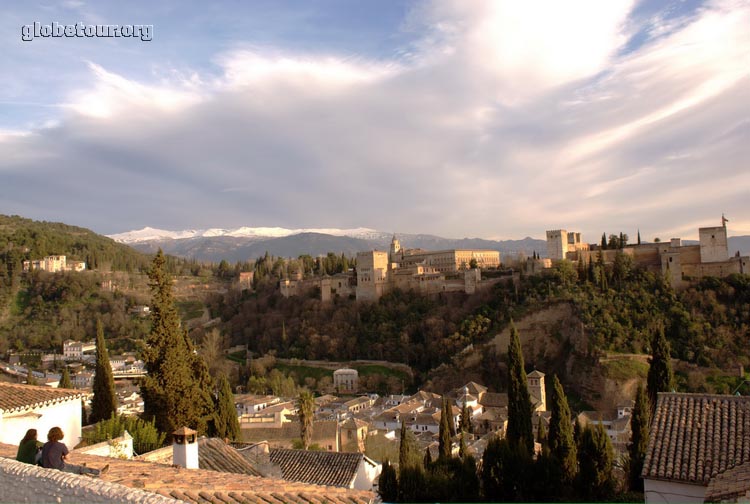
{"x": 185, "y": 448}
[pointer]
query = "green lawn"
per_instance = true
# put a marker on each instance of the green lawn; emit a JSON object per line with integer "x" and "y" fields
{"x": 625, "y": 369}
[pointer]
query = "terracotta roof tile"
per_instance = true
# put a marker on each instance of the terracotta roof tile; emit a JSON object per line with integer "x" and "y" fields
{"x": 20, "y": 397}
{"x": 318, "y": 467}
{"x": 695, "y": 437}
{"x": 730, "y": 484}
{"x": 195, "y": 485}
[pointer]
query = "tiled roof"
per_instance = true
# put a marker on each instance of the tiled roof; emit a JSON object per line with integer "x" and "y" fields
{"x": 494, "y": 400}
{"x": 354, "y": 423}
{"x": 318, "y": 467}
{"x": 200, "y": 485}
{"x": 216, "y": 455}
{"x": 535, "y": 374}
{"x": 694, "y": 437}
{"x": 21, "y": 397}
{"x": 729, "y": 485}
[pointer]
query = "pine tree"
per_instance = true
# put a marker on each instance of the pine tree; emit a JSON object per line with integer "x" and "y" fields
{"x": 444, "y": 443}
{"x": 177, "y": 389}
{"x": 226, "y": 423}
{"x": 306, "y": 412}
{"x": 104, "y": 403}
{"x": 65, "y": 379}
{"x": 660, "y": 377}
{"x": 561, "y": 443}
{"x": 639, "y": 426}
{"x": 388, "y": 483}
{"x": 519, "y": 403}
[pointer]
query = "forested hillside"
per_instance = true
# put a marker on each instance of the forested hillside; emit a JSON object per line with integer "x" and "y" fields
{"x": 618, "y": 308}
{"x": 40, "y": 310}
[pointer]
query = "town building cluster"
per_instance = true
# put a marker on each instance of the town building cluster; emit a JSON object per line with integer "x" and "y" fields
{"x": 53, "y": 264}
{"x": 681, "y": 263}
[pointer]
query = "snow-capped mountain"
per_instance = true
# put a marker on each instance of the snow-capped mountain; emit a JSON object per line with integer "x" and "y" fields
{"x": 248, "y": 243}
{"x": 149, "y": 234}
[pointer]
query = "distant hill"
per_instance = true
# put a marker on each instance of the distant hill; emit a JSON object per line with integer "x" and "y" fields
{"x": 22, "y": 238}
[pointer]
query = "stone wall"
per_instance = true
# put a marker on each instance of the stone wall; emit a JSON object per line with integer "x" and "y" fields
{"x": 21, "y": 482}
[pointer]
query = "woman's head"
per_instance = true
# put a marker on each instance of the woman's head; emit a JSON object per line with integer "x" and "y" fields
{"x": 55, "y": 434}
{"x": 30, "y": 434}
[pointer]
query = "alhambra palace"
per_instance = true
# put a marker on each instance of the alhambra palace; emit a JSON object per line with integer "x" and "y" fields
{"x": 680, "y": 263}
{"x": 460, "y": 270}
{"x": 379, "y": 272}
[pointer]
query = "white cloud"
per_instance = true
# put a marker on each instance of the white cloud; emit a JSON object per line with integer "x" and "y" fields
{"x": 506, "y": 119}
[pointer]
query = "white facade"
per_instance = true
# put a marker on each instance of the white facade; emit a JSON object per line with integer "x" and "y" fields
{"x": 65, "y": 414}
{"x": 658, "y": 492}
{"x": 346, "y": 380}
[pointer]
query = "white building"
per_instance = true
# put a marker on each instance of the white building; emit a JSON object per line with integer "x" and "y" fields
{"x": 24, "y": 407}
{"x": 346, "y": 380}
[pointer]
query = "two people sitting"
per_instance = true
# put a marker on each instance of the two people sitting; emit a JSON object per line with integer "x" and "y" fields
{"x": 53, "y": 453}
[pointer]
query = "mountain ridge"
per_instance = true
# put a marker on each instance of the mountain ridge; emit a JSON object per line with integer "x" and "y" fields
{"x": 248, "y": 243}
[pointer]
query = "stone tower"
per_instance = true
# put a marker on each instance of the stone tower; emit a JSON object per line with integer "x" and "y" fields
{"x": 395, "y": 252}
{"x": 536, "y": 389}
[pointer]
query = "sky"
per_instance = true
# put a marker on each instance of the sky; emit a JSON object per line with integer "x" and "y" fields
{"x": 497, "y": 119}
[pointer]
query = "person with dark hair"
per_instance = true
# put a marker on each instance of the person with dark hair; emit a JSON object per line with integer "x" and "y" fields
{"x": 28, "y": 448}
{"x": 54, "y": 454}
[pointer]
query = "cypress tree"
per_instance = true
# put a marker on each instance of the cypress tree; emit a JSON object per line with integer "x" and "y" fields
{"x": 104, "y": 403}
{"x": 30, "y": 380}
{"x": 411, "y": 475}
{"x": 561, "y": 443}
{"x": 65, "y": 379}
{"x": 306, "y": 412}
{"x": 519, "y": 403}
{"x": 604, "y": 241}
{"x": 639, "y": 426}
{"x": 444, "y": 443}
{"x": 660, "y": 377}
{"x": 408, "y": 451}
{"x": 595, "y": 478}
{"x": 465, "y": 423}
{"x": 177, "y": 389}
{"x": 639, "y": 237}
{"x": 388, "y": 483}
{"x": 541, "y": 435}
{"x": 226, "y": 423}
{"x": 427, "y": 457}
{"x": 84, "y": 417}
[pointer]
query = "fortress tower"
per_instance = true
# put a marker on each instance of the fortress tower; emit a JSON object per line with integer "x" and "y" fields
{"x": 395, "y": 252}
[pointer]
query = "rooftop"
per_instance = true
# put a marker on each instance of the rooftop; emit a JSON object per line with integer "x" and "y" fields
{"x": 201, "y": 485}
{"x": 15, "y": 397}
{"x": 694, "y": 437}
{"x": 318, "y": 467}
